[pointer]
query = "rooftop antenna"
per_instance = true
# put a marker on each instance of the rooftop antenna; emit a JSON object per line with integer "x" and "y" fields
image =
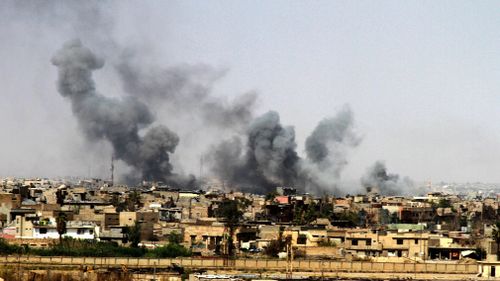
{"x": 112, "y": 169}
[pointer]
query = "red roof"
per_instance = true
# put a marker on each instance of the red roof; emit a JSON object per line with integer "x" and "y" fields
{"x": 282, "y": 199}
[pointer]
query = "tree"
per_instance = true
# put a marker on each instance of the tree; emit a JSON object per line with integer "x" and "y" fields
{"x": 174, "y": 238}
{"x": 61, "y": 221}
{"x": 134, "y": 234}
{"x": 495, "y": 235}
{"x": 230, "y": 211}
{"x": 444, "y": 203}
{"x": 271, "y": 195}
{"x": 275, "y": 246}
{"x": 133, "y": 200}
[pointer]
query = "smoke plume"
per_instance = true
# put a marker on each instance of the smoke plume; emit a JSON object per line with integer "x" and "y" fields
{"x": 326, "y": 150}
{"x": 266, "y": 157}
{"x": 267, "y": 160}
{"x": 185, "y": 89}
{"x": 115, "y": 120}
{"x": 378, "y": 180}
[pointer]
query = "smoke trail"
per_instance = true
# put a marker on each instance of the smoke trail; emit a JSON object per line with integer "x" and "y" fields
{"x": 378, "y": 180}
{"x": 115, "y": 120}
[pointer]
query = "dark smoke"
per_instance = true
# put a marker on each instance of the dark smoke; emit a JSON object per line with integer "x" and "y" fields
{"x": 185, "y": 88}
{"x": 267, "y": 160}
{"x": 115, "y": 120}
{"x": 271, "y": 149}
{"x": 378, "y": 180}
{"x": 326, "y": 150}
{"x": 266, "y": 156}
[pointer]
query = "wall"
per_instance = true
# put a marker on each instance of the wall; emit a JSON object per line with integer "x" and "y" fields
{"x": 252, "y": 264}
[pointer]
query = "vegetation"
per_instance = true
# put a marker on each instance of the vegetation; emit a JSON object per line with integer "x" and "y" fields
{"x": 444, "y": 203}
{"x": 495, "y": 235}
{"x": 274, "y": 247}
{"x": 92, "y": 248}
{"x": 271, "y": 195}
{"x": 171, "y": 250}
{"x": 325, "y": 242}
{"x": 174, "y": 238}
{"x": 61, "y": 221}
{"x": 231, "y": 212}
{"x": 277, "y": 246}
{"x": 133, "y": 234}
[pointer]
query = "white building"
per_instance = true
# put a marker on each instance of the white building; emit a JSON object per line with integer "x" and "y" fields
{"x": 74, "y": 229}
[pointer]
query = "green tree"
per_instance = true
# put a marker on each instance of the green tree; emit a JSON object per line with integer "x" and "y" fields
{"x": 276, "y": 246}
{"x": 444, "y": 203}
{"x": 495, "y": 235}
{"x": 133, "y": 200}
{"x": 231, "y": 212}
{"x": 271, "y": 195}
{"x": 174, "y": 238}
{"x": 134, "y": 234}
{"x": 61, "y": 221}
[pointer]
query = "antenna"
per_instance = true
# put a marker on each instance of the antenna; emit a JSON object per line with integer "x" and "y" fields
{"x": 112, "y": 169}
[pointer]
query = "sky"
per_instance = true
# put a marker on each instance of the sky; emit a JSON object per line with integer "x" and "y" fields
{"x": 420, "y": 76}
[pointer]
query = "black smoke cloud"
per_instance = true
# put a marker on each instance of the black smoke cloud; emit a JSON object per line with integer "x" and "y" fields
{"x": 115, "y": 120}
{"x": 265, "y": 156}
{"x": 378, "y": 180}
{"x": 268, "y": 158}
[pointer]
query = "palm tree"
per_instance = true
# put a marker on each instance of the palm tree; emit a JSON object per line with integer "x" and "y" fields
{"x": 495, "y": 235}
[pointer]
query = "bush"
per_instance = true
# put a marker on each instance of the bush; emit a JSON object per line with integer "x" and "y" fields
{"x": 326, "y": 243}
{"x": 89, "y": 248}
{"x": 8, "y": 249}
{"x": 169, "y": 251}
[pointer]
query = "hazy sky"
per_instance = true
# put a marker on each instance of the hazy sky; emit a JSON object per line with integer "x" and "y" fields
{"x": 422, "y": 77}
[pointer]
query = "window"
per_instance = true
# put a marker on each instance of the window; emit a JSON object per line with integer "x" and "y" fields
{"x": 368, "y": 242}
{"x": 302, "y": 239}
{"x": 416, "y": 241}
{"x": 43, "y": 230}
{"x": 91, "y": 231}
{"x": 80, "y": 231}
{"x": 399, "y": 241}
{"x": 355, "y": 242}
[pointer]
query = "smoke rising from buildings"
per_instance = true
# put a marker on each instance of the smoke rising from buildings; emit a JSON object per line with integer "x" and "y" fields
{"x": 377, "y": 179}
{"x": 266, "y": 157}
{"x": 327, "y": 149}
{"x": 115, "y": 120}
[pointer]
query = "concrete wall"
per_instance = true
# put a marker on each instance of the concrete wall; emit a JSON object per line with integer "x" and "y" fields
{"x": 253, "y": 264}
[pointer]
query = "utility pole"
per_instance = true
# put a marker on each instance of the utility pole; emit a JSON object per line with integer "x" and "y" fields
{"x": 112, "y": 169}
{"x": 289, "y": 257}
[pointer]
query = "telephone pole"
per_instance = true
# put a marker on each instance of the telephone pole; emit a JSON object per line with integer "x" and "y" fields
{"x": 112, "y": 169}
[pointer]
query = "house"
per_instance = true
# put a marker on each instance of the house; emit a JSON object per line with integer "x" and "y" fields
{"x": 47, "y": 229}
